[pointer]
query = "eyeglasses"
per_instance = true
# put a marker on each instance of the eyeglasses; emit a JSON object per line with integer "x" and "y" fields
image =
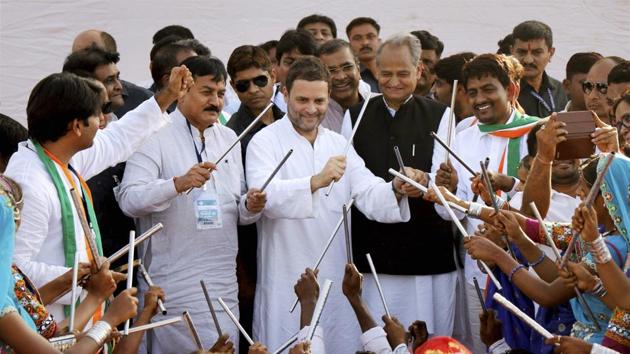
{"x": 243, "y": 85}
{"x": 587, "y": 87}
{"x": 624, "y": 121}
{"x": 106, "y": 108}
{"x": 346, "y": 68}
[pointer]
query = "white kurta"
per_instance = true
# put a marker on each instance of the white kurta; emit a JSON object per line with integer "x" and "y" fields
{"x": 181, "y": 255}
{"x": 39, "y": 250}
{"x": 297, "y": 223}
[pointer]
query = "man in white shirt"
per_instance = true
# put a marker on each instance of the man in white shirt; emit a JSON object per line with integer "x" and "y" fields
{"x": 500, "y": 135}
{"x": 199, "y": 239}
{"x": 299, "y": 217}
{"x": 347, "y": 89}
{"x": 65, "y": 148}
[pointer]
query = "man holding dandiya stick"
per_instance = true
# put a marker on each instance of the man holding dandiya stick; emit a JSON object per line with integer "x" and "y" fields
{"x": 298, "y": 217}
{"x": 199, "y": 240}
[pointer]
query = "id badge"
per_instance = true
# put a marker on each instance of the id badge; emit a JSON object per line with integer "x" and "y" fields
{"x": 208, "y": 209}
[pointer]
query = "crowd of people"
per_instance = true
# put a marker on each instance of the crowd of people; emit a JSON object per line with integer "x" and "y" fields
{"x": 450, "y": 195}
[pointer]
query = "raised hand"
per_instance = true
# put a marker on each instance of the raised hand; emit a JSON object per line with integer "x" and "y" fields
{"x": 605, "y": 136}
{"x": 332, "y": 171}
{"x": 395, "y": 331}
{"x": 584, "y": 222}
{"x": 352, "y": 286}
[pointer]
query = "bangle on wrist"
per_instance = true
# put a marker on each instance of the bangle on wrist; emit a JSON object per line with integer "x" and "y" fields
{"x": 514, "y": 270}
{"x": 599, "y": 290}
{"x": 599, "y": 250}
{"x": 474, "y": 209}
{"x": 100, "y": 332}
{"x": 539, "y": 260}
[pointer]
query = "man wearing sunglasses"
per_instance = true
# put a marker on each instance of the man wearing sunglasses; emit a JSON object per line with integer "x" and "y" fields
{"x": 347, "y": 89}
{"x": 533, "y": 46}
{"x": 252, "y": 78}
{"x": 595, "y": 87}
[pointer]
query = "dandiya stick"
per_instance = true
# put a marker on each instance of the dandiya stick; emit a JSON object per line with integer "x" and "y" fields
{"x": 451, "y": 117}
{"x": 147, "y": 278}
{"x": 287, "y": 344}
{"x": 486, "y": 163}
{"x": 328, "y": 243}
{"x": 346, "y": 228}
{"x": 155, "y": 324}
{"x": 235, "y": 321}
{"x": 319, "y": 308}
{"x": 522, "y": 315}
{"x": 450, "y": 151}
{"x": 401, "y": 164}
{"x": 284, "y": 159}
{"x": 193, "y": 330}
{"x": 480, "y": 295}
{"x": 87, "y": 231}
{"x": 132, "y": 241}
{"x": 461, "y": 229}
{"x": 378, "y": 284}
{"x": 354, "y": 131}
{"x": 423, "y": 188}
{"x": 241, "y": 136}
{"x": 211, "y": 307}
{"x": 73, "y": 297}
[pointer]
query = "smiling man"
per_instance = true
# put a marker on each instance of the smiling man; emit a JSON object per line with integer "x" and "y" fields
{"x": 347, "y": 89}
{"x": 533, "y": 47}
{"x": 500, "y": 135}
{"x": 199, "y": 240}
{"x": 299, "y": 216}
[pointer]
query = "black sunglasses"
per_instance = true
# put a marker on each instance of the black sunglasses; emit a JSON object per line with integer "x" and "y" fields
{"x": 587, "y": 87}
{"x": 243, "y": 85}
{"x": 106, "y": 108}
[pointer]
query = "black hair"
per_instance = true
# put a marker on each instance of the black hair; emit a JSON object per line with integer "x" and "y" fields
{"x": 57, "y": 100}
{"x": 11, "y": 133}
{"x": 505, "y": 44}
{"x": 165, "y": 60}
{"x": 532, "y": 142}
{"x": 362, "y": 21}
{"x": 178, "y": 30}
{"x": 429, "y": 42}
{"x": 332, "y": 46}
{"x": 319, "y": 19}
{"x": 299, "y": 39}
{"x": 581, "y": 63}
{"x": 450, "y": 68}
{"x": 494, "y": 65}
{"x": 620, "y": 73}
{"x": 530, "y": 30}
{"x": 308, "y": 69}
{"x": 203, "y": 66}
{"x": 196, "y": 46}
{"x": 269, "y": 45}
{"x": 85, "y": 61}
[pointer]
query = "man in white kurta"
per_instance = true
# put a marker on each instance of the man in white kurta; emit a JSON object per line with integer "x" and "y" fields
{"x": 298, "y": 218}
{"x": 182, "y": 254}
{"x": 39, "y": 247}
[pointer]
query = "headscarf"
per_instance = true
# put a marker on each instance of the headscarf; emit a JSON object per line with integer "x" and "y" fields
{"x": 616, "y": 192}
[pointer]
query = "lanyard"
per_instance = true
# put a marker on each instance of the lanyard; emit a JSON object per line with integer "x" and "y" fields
{"x": 542, "y": 100}
{"x": 203, "y": 144}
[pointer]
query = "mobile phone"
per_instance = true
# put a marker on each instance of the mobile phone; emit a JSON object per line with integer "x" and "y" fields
{"x": 578, "y": 145}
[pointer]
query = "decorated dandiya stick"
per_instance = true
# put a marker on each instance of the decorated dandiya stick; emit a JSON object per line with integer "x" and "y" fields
{"x": 328, "y": 243}
{"x": 461, "y": 229}
{"x": 193, "y": 330}
{"x": 354, "y": 131}
{"x": 284, "y": 159}
{"x": 95, "y": 260}
{"x": 319, "y": 308}
{"x": 450, "y": 151}
{"x": 241, "y": 136}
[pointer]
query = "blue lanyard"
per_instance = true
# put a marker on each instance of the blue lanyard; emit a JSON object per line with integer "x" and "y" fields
{"x": 203, "y": 144}
{"x": 542, "y": 100}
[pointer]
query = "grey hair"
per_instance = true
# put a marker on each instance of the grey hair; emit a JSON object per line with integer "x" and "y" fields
{"x": 399, "y": 40}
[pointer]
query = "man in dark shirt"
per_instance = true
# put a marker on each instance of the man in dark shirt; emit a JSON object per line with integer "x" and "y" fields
{"x": 252, "y": 78}
{"x": 533, "y": 47}
{"x": 432, "y": 49}
{"x": 363, "y": 35}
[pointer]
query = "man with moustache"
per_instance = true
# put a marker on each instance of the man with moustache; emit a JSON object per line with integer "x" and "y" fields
{"x": 299, "y": 217}
{"x": 347, "y": 88}
{"x": 432, "y": 49}
{"x": 363, "y": 35}
{"x": 576, "y": 70}
{"x": 533, "y": 47}
{"x": 417, "y": 254}
{"x": 595, "y": 87}
{"x": 199, "y": 240}
{"x": 500, "y": 135}
{"x": 447, "y": 70}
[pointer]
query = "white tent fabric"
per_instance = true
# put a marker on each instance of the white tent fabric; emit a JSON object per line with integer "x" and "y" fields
{"x": 35, "y": 36}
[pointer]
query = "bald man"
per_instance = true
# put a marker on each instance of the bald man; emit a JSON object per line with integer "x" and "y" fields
{"x": 132, "y": 94}
{"x": 595, "y": 87}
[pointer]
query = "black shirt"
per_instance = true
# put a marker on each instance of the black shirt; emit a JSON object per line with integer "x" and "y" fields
{"x": 133, "y": 96}
{"x": 243, "y": 118}
{"x": 367, "y": 76}
{"x": 550, "y": 98}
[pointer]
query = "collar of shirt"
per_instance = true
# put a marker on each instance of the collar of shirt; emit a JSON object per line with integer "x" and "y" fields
{"x": 179, "y": 119}
{"x": 391, "y": 110}
{"x": 508, "y": 121}
{"x": 544, "y": 84}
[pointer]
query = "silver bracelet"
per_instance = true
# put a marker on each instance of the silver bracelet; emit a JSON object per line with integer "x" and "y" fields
{"x": 100, "y": 332}
{"x": 474, "y": 209}
{"x": 501, "y": 203}
{"x": 599, "y": 290}
{"x": 62, "y": 343}
{"x": 599, "y": 250}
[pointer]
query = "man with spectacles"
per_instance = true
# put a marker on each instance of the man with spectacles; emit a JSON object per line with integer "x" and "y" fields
{"x": 533, "y": 46}
{"x": 576, "y": 70}
{"x": 595, "y": 87}
{"x": 621, "y": 109}
{"x": 432, "y": 49}
{"x": 347, "y": 89}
